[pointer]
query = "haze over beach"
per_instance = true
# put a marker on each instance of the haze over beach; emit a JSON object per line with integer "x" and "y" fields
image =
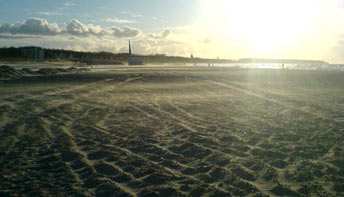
{"x": 172, "y": 98}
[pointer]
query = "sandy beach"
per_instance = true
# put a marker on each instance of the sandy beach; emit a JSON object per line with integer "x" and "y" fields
{"x": 173, "y": 131}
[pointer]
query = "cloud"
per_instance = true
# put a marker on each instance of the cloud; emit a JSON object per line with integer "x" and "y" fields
{"x": 38, "y": 26}
{"x": 139, "y": 46}
{"x": 125, "y": 32}
{"x": 120, "y": 21}
{"x": 131, "y": 14}
{"x": 163, "y": 35}
{"x": 142, "y": 47}
{"x": 166, "y": 33}
{"x": 48, "y": 13}
{"x": 17, "y": 37}
{"x": 159, "y": 19}
{"x": 96, "y": 30}
{"x": 69, "y": 4}
{"x": 207, "y": 40}
{"x": 175, "y": 49}
{"x": 77, "y": 28}
{"x": 32, "y": 26}
{"x": 88, "y": 37}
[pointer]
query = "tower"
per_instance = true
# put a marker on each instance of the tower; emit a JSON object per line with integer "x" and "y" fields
{"x": 134, "y": 59}
{"x": 129, "y": 49}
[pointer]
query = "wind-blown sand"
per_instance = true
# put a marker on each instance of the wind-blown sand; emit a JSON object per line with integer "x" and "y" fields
{"x": 173, "y": 131}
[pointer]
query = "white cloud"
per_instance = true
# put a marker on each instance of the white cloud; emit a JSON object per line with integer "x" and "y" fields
{"x": 69, "y": 4}
{"x": 142, "y": 47}
{"x": 175, "y": 49}
{"x": 88, "y": 37}
{"x": 125, "y": 32}
{"x": 96, "y": 30}
{"x": 49, "y": 13}
{"x": 77, "y": 28}
{"x": 163, "y": 35}
{"x": 120, "y": 21}
{"x": 32, "y": 26}
{"x": 131, "y": 14}
{"x": 38, "y": 26}
{"x": 159, "y": 19}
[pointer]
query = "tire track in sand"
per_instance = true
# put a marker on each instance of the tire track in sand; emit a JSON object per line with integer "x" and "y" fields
{"x": 269, "y": 99}
{"x": 33, "y": 115}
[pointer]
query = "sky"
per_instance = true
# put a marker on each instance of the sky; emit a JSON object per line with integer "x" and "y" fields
{"x": 232, "y": 29}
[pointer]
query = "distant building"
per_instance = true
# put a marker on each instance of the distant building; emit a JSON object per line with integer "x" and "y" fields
{"x": 34, "y": 53}
{"x": 134, "y": 59}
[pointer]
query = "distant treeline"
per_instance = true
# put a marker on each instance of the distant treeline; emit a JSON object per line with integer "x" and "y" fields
{"x": 161, "y": 58}
{"x": 105, "y": 57}
{"x": 13, "y": 53}
{"x": 54, "y": 54}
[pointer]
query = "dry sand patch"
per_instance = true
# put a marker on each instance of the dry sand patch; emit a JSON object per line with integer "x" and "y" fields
{"x": 175, "y": 131}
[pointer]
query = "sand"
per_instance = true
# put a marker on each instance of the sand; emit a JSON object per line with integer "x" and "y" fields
{"x": 173, "y": 131}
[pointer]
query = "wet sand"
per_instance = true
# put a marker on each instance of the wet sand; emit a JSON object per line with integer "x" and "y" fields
{"x": 173, "y": 131}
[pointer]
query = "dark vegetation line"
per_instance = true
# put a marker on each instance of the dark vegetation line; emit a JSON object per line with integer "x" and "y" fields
{"x": 15, "y": 54}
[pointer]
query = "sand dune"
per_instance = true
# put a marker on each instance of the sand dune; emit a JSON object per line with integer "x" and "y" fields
{"x": 173, "y": 131}
{"x": 8, "y": 72}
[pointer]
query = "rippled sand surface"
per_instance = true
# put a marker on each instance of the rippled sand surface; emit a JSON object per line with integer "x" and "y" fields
{"x": 173, "y": 131}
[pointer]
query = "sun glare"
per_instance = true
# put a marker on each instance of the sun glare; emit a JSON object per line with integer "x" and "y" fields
{"x": 264, "y": 25}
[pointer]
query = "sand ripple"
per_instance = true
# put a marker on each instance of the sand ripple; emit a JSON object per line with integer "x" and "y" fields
{"x": 173, "y": 132}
